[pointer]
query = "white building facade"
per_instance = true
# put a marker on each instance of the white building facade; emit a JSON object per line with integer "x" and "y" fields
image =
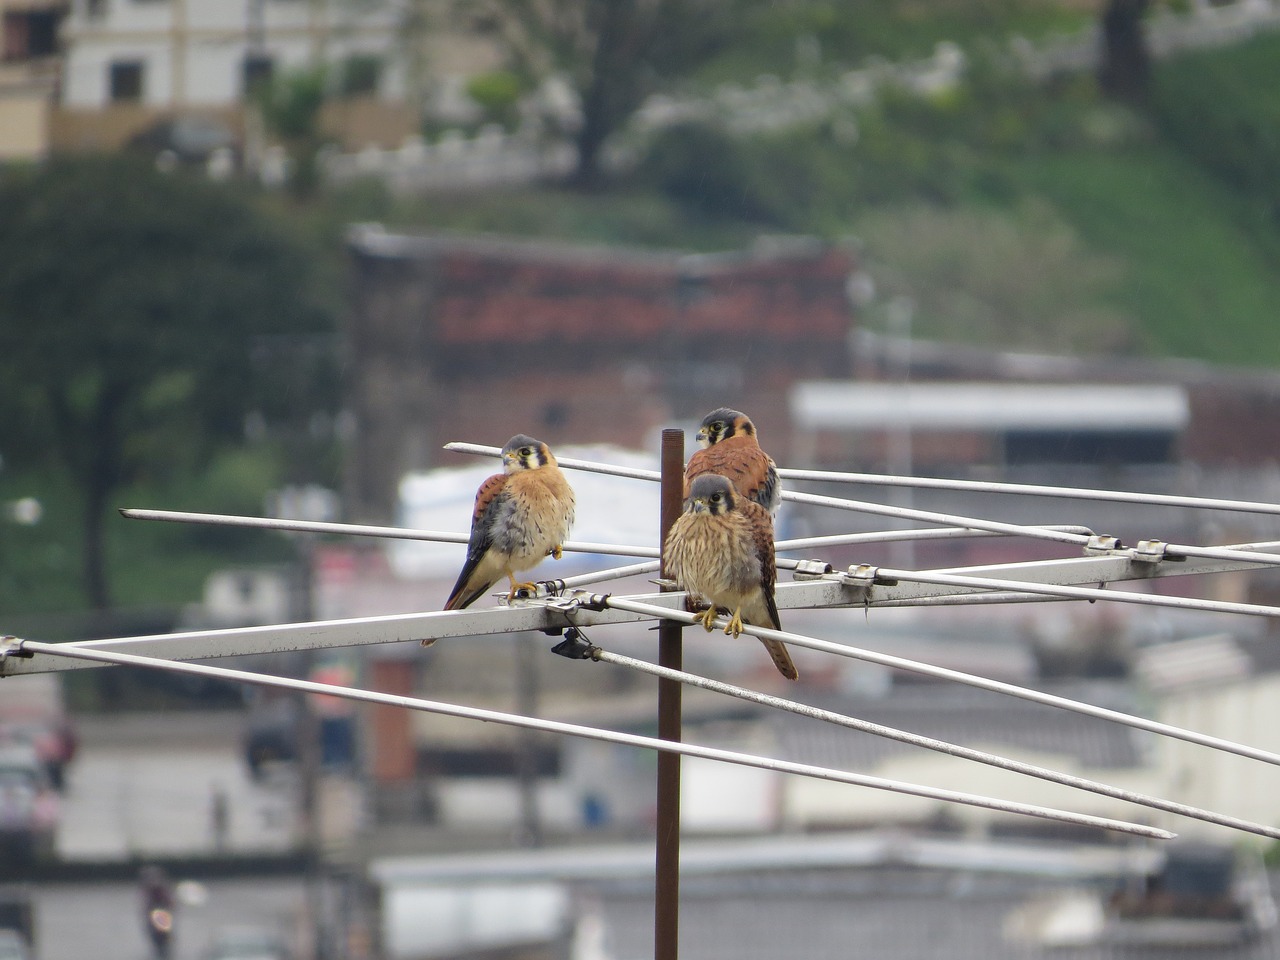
{"x": 174, "y": 54}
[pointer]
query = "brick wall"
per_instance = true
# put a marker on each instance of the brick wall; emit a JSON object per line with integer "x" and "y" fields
{"x": 457, "y": 338}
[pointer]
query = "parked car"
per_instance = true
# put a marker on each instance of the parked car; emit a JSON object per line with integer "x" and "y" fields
{"x": 29, "y": 807}
{"x": 188, "y": 139}
{"x": 271, "y": 732}
{"x": 32, "y": 711}
{"x": 14, "y": 946}
{"x": 17, "y": 923}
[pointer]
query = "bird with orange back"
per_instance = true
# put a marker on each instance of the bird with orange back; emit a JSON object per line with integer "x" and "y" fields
{"x": 730, "y": 448}
{"x": 720, "y": 549}
{"x": 521, "y": 515}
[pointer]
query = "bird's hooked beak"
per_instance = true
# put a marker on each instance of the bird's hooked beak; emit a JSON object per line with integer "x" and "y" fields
{"x": 697, "y": 505}
{"x": 703, "y": 437}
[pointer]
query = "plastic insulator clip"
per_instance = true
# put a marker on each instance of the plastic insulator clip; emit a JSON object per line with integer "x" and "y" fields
{"x": 810, "y": 570}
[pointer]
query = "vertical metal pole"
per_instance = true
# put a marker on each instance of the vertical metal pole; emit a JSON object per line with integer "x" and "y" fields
{"x": 666, "y": 937}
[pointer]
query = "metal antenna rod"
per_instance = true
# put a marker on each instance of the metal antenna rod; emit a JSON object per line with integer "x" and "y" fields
{"x": 1058, "y": 534}
{"x": 929, "y": 743}
{"x": 937, "y": 483}
{"x": 356, "y": 529}
{"x": 23, "y": 648}
{"x": 1033, "y": 490}
{"x": 956, "y": 676}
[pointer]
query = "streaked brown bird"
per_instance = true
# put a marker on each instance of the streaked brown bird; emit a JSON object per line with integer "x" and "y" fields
{"x": 720, "y": 549}
{"x": 520, "y": 516}
{"x": 729, "y": 447}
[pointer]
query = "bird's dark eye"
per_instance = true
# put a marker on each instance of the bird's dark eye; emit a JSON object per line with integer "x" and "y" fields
{"x": 717, "y": 426}
{"x": 526, "y": 451}
{"x": 716, "y": 497}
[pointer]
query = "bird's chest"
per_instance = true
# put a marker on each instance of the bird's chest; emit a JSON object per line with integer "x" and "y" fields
{"x": 533, "y": 519}
{"x": 712, "y": 557}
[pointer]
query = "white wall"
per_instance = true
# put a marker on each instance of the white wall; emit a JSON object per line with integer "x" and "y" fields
{"x": 206, "y": 42}
{"x": 1246, "y": 711}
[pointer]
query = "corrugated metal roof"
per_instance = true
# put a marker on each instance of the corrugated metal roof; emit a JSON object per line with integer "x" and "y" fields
{"x": 988, "y": 407}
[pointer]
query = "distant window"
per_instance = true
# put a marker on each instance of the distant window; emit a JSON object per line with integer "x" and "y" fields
{"x": 256, "y": 72}
{"x": 360, "y": 73}
{"x": 14, "y": 34}
{"x": 42, "y": 36}
{"x": 29, "y": 33}
{"x": 126, "y": 81}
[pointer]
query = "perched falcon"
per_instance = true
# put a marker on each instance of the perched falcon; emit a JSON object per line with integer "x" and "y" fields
{"x": 521, "y": 515}
{"x": 730, "y": 448}
{"x": 721, "y": 549}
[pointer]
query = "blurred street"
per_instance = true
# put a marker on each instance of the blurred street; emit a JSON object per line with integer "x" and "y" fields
{"x": 146, "y": 784}
{"x": 104, "y": 921}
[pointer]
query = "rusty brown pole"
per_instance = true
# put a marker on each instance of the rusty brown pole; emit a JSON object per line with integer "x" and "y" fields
{"x": 666, "y": 913}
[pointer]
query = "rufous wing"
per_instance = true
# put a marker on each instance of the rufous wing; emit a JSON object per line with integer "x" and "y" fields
{"x": 481, "y": 569}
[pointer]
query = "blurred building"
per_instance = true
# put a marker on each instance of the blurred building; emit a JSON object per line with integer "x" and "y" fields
{"x": 130, "y": 64}
{"x": 188, "y": 53}
{"x": 476, "y": 338}
{"x": 1224, "y": 685}
{"x": 29, "y": 69}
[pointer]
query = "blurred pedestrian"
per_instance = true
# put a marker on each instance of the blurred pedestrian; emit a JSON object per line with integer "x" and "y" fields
{"x": 219, "y": 817}
{"x": 157, "y": 909}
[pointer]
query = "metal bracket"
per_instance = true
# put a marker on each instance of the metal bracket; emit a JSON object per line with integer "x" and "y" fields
{"x": 811, "y": 570}
{"x": 862, "y": 577}
{"x": 541, "y": 590}
{"x": 11, "y": 647}
{"x": 576, "y": 646}
{"x": 1100, "y": 545}
{"x": 1149, "y": 551}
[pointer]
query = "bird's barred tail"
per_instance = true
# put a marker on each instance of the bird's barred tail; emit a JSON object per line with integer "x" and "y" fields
{"x": 781, "y": 658}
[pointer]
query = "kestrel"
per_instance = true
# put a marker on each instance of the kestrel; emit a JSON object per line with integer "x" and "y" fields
{"x": 730, "y": 448}
{"x": 521, "y": 515}
{"x": 721, "y": 549}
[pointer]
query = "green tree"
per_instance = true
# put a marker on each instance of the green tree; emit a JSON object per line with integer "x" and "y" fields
{"x": 614, "y": 53}
{"x": 1125, "y": 70}
{"x": 143, "y": 317}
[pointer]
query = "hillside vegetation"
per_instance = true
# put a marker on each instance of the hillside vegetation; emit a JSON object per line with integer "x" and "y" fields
{"x": 1031, "y": 216}
{"x": 1034, "y": 216}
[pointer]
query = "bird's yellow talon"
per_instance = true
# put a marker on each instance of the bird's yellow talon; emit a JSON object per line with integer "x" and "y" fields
{"x": 734, "y": 626}
{"x": 707, "y": 618}
{"x": 556, "y": 552}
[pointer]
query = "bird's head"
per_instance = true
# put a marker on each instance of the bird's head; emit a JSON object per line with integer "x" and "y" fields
{"x": 525, "y": 453}
{"x": 722, "y": 424}
{"x": 711, "y": 494}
